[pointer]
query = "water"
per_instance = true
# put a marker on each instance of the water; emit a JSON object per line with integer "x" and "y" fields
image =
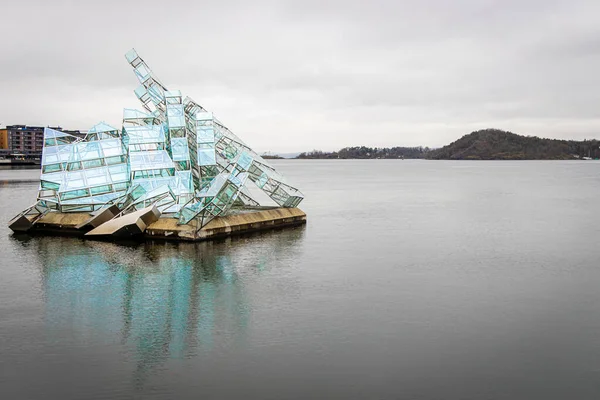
{"x": 411, "y": 280}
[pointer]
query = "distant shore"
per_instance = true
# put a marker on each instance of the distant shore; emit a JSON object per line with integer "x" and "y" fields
{"x": 487, "y": 144}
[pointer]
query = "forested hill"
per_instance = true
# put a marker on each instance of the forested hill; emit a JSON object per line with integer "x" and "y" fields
{"x": 369, "y": 152}
{"x": 487, "y": 144}
{"x": 494, "y": 144}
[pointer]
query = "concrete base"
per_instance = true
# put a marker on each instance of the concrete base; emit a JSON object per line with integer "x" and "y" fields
{"x": 78, "y": 224}
{"x": 128, "y": 225}
{"x": 61, "y": 223}
{"x": 101, "y": 216}
{"x": 167, "y": 228}
{"x": 20, "y": 224}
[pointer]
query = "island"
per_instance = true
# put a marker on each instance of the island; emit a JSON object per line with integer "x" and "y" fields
{"x": 486, "y": 144}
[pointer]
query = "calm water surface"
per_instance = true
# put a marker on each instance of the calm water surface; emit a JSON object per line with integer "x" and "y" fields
{"x": 411, "y": 280}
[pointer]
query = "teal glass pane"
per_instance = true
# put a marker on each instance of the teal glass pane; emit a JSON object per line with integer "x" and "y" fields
{"x": 235, "y": 180}
{"x": 49, "y": 185}
{"x": 74, "y": 194}
{"x": 205, "y": 135}
{"x": 50, "y": 159}
{"x": 150, "y": 159}
{"x": 115, "y": 160}
{"x": 206, "y": 157}
{"x": 140, "y": 91}
{"x": 51, "y": 168}
{"x": 175, "y": 117}
{"x": 87, "y": 151}
{"x": 119, "y": 176}
{"x": 92, "y": 163}
{"x": 142, "y": 72}
{"x": 111, "y": 147}
{"x": 100, "y": 189}
{"x": 156, "y": 94}
{"x": 179, "y": 149}
{"x": 145, "y": 134}
{"x": 74, "y": 166}
{"x": 131, "y": 55}
{"x": 244, "y": 161}
{"x": 103, "y": 127}
{"x": 262, "y": 180}
{"x": 97, "y": 177}
{"x": 120, "y": 186}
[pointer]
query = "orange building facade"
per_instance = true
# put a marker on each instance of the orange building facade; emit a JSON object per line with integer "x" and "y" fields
{"x": 3, "y": 138}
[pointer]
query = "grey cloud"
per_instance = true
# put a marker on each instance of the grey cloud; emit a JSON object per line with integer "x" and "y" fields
{"x": 319, "y": 74}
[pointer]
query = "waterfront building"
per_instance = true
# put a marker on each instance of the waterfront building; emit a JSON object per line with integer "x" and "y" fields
{"x": 23, "y": 139}
{"x": 28, "y": 140}
{"x": 3, "y": 139}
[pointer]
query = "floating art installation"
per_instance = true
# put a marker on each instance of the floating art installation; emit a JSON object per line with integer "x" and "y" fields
{"x": 173, "y": 157}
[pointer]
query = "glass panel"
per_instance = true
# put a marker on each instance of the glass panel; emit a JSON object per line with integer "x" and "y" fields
{"x": 120, "y": 186}
{"x": 101, "y": 189}
{"x": 89, "y": 150}
{"x": 244, "y": 161}
{"x": 179, "y": 149}
{"x": 92, "y": 163}
{"x": 51, "y": 168}
{"x": 50, "y": 185}
{"x": 140, "y": 91}
{"x": 115, "y": 160}
{"x": 50, "y": 159}
{"x": 142, "y": 72}
{"x": 145, "y": 134}
{"x": 97, "y": 180}
{"x": 206, "y": 135}
{"x": 206, "y": 157}
{"x": 131, "y": 55}
{"x": 74, "y": 166}
{"x": 73, "y": 194}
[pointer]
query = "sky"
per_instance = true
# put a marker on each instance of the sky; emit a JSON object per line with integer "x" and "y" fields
{"x": 291, "y": 76}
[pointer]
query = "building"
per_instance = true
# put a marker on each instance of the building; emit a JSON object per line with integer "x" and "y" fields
{"x": 27, "y": 140}
{"x": 23, "y": 139}
{"x": 3, "y": 139}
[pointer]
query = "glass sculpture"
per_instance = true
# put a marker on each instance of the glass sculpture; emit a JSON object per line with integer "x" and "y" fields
{"x": 174, "y": 154}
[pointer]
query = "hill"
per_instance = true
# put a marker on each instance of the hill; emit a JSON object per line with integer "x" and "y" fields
{"x": 495, "y": 144}
{"x": 487, "y": 144}
{"x": 362, "y": 152}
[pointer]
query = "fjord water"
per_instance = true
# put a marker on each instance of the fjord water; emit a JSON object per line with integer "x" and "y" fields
{"x": 411, "y": 280}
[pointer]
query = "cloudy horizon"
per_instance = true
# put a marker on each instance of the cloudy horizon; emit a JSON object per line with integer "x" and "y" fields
{"x": 291, "y": 76}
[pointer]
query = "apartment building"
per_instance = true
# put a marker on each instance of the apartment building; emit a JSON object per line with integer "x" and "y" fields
{"x": 29, "y": 140}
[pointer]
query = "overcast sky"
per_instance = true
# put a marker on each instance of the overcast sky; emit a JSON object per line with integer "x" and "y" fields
{"x": 300, "y": 75}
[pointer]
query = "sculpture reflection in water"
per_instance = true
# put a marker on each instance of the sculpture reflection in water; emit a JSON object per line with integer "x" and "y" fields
{"x": 162, "y": 300}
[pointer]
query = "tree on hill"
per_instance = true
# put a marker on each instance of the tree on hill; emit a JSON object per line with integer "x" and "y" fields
{"x": 495, "y": 144}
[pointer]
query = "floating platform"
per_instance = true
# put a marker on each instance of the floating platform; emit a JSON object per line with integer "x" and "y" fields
{"x": 149, "y": 224}
{"x": 235, "y": 224}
